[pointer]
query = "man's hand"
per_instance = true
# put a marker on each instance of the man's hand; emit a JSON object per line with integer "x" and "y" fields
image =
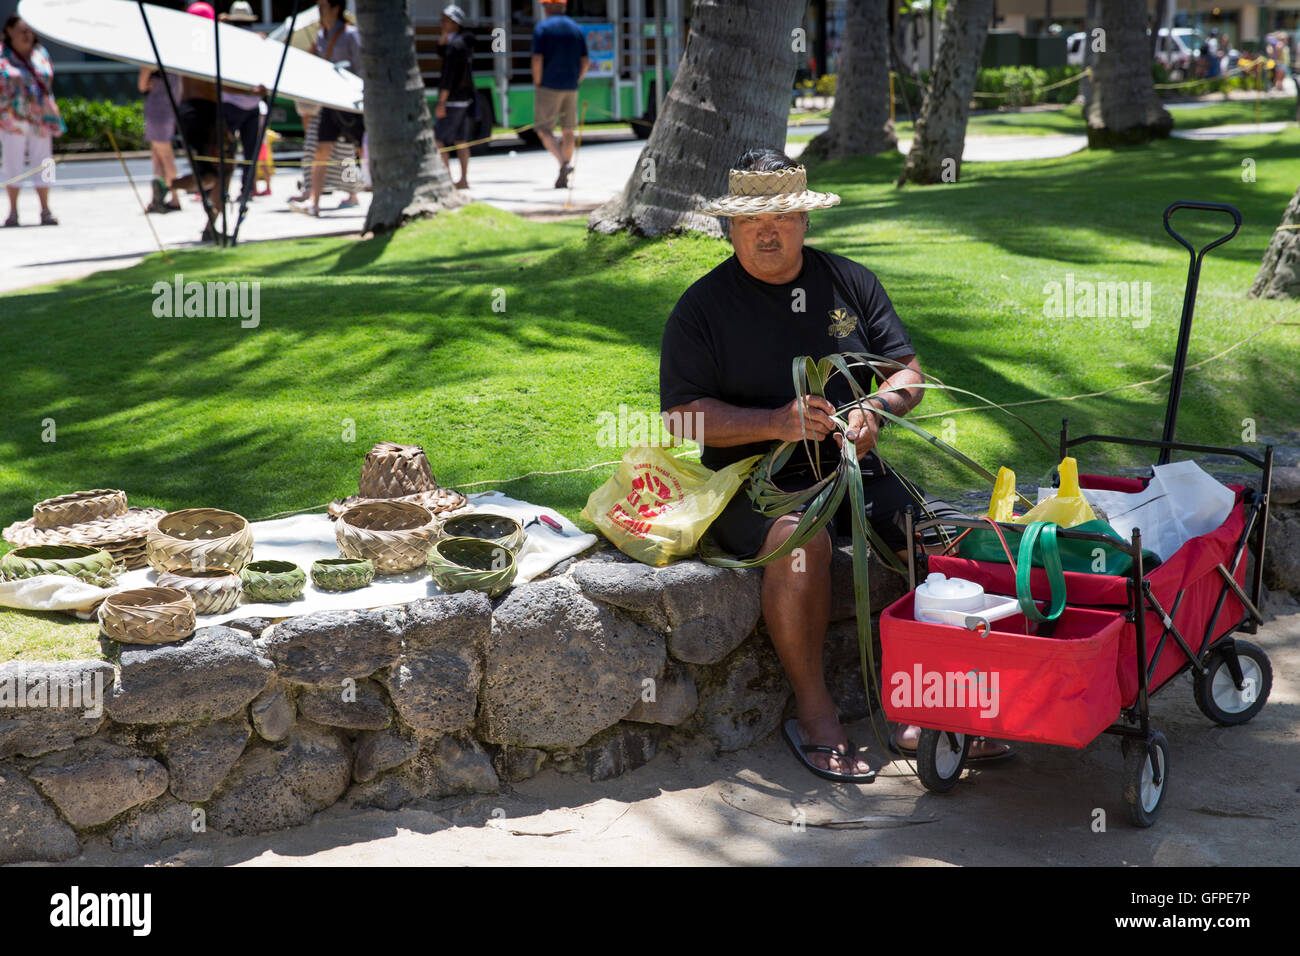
{"x": 863, "y": 430}
{"x": 440, "y": 111}
{"x": 814, "y": 424}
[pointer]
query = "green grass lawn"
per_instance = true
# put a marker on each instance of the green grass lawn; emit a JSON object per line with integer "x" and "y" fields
{"x": 397, "y": 338}
{"x": 1069, "y": 119}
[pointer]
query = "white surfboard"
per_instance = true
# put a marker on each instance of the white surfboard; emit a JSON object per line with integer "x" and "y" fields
{"x": 115, "y": 29}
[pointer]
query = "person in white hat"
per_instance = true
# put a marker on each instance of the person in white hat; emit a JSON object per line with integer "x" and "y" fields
{"x": 725, "y": 368}
{"x": 455, "y": 108}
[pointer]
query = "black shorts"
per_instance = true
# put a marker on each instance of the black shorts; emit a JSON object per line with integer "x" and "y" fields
{"x": 454, "y": 127}
{"x": 337, "y": 125}
{"x": 198, "y": 122}
{"x": 741, "y": 530}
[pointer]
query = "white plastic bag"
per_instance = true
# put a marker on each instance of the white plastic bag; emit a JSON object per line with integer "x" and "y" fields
{"x": 1180, "y": 502}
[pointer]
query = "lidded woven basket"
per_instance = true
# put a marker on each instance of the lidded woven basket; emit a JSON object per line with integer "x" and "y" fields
{"x": 214, "y": 590}
{"x": 392, "y": 470}
{"x": 395, "y": 535}
{"x": 200, "y": 538}
{"x": 147, "y": 616}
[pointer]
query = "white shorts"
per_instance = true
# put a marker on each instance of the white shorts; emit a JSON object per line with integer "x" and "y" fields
{"x": 20, "y": 152}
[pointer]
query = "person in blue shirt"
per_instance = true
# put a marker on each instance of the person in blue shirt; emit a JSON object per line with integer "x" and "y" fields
{"x": 560, "y": 62}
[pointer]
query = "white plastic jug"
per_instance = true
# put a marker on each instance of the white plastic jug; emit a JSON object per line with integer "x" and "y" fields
{"x": 944, "y": 600}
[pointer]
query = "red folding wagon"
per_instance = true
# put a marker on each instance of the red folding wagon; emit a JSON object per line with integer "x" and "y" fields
{"x": 1120, "y": 638}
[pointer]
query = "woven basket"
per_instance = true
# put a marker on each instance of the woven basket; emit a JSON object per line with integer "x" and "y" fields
{"x": 214, "y": 590}
{"x": 391, "y": 470}
{"x": 273, "y": 582}
{"x": 92, "y": 565}
{"x": 496, "y": 529}
{"x": 471, "y": 564}
{"x": 147, "y": 616}
{"x": 78, "y": 507}
{"x": 395, "y": 535}
{"x": 342, "y": 574}
{"x": 199, "y": 538}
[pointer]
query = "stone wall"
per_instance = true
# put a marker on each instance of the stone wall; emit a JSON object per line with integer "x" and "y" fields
{"x": 256, "y": 726}
{"x": 252, "y": 727}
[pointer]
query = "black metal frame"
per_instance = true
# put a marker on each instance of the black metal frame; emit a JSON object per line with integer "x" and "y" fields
{"x": 1134, "y": 721}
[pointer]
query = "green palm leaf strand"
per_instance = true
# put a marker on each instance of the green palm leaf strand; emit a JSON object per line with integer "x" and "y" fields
{"x": 819, "y": 502}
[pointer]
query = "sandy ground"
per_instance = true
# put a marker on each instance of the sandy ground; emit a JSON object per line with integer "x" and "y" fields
{"x": 1234, "y": 799}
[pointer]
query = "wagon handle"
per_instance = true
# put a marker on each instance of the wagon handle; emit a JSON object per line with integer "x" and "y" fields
{"x": 1189, "y": 306}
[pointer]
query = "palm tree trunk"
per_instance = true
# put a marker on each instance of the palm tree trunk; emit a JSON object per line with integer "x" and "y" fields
{"x": 860, "y": 124}
{"x": 941, "y": 128}
{"x": 1279, "y": 272}
{"x": 1124, "y": 109}
{"x": 731, "y": 93}
{"x": 408, "y": 175}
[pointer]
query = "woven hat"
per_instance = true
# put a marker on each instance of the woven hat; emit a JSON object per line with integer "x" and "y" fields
{"x": 393, "y": 472}
{"x": 455, "y": 14}
{"x": 98, "y": 518}
{"x": 241, "y": 11}
{"x": 754, "y": 192}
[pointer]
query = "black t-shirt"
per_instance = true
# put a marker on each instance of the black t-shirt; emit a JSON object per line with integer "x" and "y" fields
{"x": 457, "y": 67}
{"x": 734, "y": 338}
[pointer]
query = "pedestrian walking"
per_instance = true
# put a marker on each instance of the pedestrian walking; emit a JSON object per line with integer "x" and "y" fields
{"x": 29, "y": 117}
{"x": 159, "y": 130}
{"x": 338, "y": 42}
{"x": 456, "y": 102}
{"x": 559, "y": 63}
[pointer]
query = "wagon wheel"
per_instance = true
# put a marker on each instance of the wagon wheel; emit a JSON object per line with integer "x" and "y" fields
{"x": 1218, "y": 695}
{"x": 940, "y": 756}
{"x": 1144, "y": 791}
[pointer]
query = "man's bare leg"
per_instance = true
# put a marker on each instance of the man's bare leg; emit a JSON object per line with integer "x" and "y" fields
{"x": 318, "y": 171}
{"x": 552, "y": 147}
{"x": 566, "y": 150}
{"x": 796, "y": 600}
{"x": 462, "y": 153}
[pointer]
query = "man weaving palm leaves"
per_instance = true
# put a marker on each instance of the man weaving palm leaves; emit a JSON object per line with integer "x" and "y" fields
{"x": 726, "y": 356}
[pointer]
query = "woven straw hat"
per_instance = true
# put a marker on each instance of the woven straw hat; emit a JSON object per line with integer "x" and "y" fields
{"x": 393, "y": 472}
{"x": 754, "y": 192}
{"x": 98, "y": 518}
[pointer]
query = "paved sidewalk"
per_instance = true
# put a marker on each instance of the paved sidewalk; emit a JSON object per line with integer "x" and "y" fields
{"x": 103, "y": 227}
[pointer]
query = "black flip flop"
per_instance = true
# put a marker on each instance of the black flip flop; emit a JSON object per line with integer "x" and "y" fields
{"x": 790, "y": 732}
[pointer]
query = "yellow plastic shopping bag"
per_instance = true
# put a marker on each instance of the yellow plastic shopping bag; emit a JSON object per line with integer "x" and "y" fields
{"x": 1067, "y": 507}
{"x": 656, "y": 507}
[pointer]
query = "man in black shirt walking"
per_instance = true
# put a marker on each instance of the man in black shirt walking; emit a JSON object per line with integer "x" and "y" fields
{"x": 725, "y": 365}
{"x": 455, "y": 106}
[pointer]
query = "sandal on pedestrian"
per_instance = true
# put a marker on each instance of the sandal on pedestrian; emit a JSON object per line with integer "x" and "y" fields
{"x": 12, "y": 220}
{"x": 792, "y": 736}
{"x": 47, "y": 218}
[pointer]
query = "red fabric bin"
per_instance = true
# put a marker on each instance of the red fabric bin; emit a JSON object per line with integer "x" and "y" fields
{"x": 1190, "y": 569}
{"x": 1055, "y": 690}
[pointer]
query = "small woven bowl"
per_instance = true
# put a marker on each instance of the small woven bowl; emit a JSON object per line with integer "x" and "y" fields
{"x": 92, "y": 565}
{"x": 342, "y": 574}
{"x": 471, "y": 564}
{"x": 496, "y": 529}
{"x": 214, "y": 590}
{"x": 273, "y": 582}
{"x": 147, "y": 616}
{"x": 199, "y": 538}
{"x": 78, "y": 507}
{"x": 395, "y": 535}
